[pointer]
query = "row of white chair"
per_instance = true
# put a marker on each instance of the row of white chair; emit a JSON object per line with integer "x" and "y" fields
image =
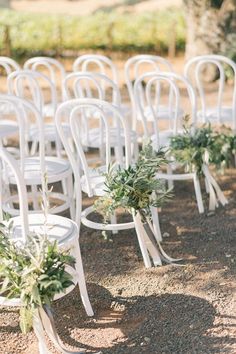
{"x": 137, "y": 66}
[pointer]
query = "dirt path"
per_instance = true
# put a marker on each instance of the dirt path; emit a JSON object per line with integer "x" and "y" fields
{"x": 169, "y": 309}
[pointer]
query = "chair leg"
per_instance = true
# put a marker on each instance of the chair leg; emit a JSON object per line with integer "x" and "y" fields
{"x": 81, "y": 280}
{"x": 34, "y": 147}
{"x": 35, "y": 199}
{"x": 70, "y": 191}
{"x": 170, "y": 182}
{"x": 198, "y": 194}
{"x": 113, "y": 220}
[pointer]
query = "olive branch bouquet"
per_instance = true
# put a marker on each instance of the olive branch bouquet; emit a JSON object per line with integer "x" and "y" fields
{"x": 203, "y": 146}
{"x": 137, "y": 190}
{"x": 34, "y": 270}
{"x": 197, "y": 149}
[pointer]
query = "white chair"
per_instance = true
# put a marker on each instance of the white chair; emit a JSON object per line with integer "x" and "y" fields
{"x": 8, "y": 65}
{"x": 96, "y": 63}
{"x": 55, "y": 71}
{"x": 161, "y": 138}
{"x": 58, "y": 169}
{"x": 7, "y": 126}
{"x": 92, "y": 180}
{"x": 59, "y": 228}
{"x": 39, "y": 89}
{"x": 135, "y": 67}
{"x": 96, "y": 85}
{"x": 218, "y": 112}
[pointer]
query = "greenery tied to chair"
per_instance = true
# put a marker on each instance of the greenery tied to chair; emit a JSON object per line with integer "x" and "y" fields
{"x": 135, "y": 189}
{"x": 195, "y": 148}
{"x": 35, "y": 270}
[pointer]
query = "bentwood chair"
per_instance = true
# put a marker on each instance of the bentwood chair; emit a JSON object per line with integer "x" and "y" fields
{"x": 61, "y": 229}
{"x": 137, "y": 66}
{"x": 55, "y": 71}
{"x": 7, "y": 126}
{"x": 40, "y": 90}
{"x": 95, "y": 85}
{"x": 31, "y": 167}
{"x": 92, "y": 180}
{"x": 161, "y": 137}
{"x": 7, "y": 66}
{"x": 95, "y": 63}
{"x": 214, "y": 108}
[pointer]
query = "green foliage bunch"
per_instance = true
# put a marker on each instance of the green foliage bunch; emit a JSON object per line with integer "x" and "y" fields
{"x": 135, "y": 188}
{"x": 34, "y": 272}
{"x": 193, "y": 148}
{"x": 34, "y": 34}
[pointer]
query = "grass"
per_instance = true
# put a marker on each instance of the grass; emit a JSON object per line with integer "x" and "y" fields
{"x": 41, "y": 34}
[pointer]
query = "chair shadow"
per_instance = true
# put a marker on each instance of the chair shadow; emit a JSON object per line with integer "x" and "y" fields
{"x": 168, "y": 323}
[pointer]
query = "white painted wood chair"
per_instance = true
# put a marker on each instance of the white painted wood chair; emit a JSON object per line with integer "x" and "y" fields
{"x": 59, "y": 228}
{"x": 217, "y": 112}
{"x": 58, "y": 169}
{"x": 137, "y": 66}
{"x": 96, "y": 63}
{"x": 161, "y": 137}
{"x": 55, "y": 71}
{"x": 7, "y": 126}
{"x": 39, "y": 89}
{"x": 96, "y": 85}
{"x": 92, "y": 180}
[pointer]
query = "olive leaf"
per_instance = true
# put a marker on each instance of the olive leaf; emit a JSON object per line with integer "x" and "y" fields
{"x": 136, "y": 187}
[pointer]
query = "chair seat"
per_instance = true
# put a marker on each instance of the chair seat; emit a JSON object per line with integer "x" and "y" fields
{"x": 8, "y": 128}
{"x": 94, "y": 139}
{"x": 59, "y": 228}
{"x": 163, "y": 112}
{"x": 211, "y": 115}
{"x": 97, "y": 180}
{"x": 50, "y": 132}
{"x": 56, "y": 168}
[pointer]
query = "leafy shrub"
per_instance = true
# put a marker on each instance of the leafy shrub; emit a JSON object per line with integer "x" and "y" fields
{"x": 32, "y": 33}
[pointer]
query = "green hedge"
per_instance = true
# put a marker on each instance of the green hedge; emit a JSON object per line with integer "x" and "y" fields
{"x": 36, "y": 33}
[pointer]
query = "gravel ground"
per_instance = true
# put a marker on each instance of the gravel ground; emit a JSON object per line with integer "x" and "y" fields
{"x": 163, "y": 310}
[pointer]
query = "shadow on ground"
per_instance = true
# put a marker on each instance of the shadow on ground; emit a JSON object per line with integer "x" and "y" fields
{"x": 175, "y": 323}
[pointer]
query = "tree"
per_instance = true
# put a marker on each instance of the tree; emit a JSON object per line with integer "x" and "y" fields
{"x": 211, "y": 27}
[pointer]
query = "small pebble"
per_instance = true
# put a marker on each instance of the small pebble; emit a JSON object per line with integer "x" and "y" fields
{"x": 166, "y": 234}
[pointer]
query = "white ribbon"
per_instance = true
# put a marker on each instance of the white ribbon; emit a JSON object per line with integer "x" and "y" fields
{"x": 149, "y": 245}
{"x": 43, "y": 323}
{"x": 215, "y": 193}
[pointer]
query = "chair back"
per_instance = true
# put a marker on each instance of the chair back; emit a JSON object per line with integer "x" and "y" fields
{"x": 96, "y": 63}
{"x": 33, "y": 86}
{"x": 194, "y": 71}
{"x": 50, "y": 67}
{"x": 152, "y": 84}
{"x": 139, "y": 65}
{"x": 7, "y": 164}
{"x": 74, "y": 109}
{"x": 92, "y": 85}
{"x": 24, "y": 113}
{"x": 9, "y": 65}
